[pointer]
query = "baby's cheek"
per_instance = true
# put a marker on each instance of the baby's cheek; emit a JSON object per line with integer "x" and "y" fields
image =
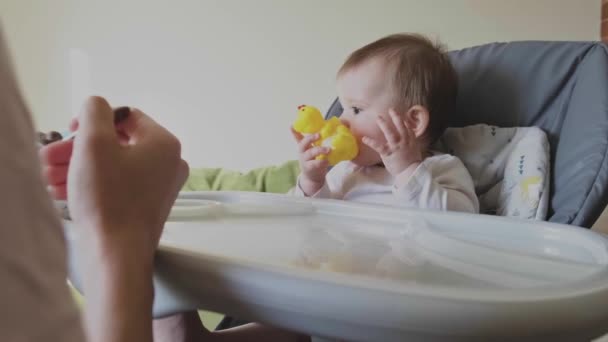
{"x": 367, "y": 156}
{"x": 378, "y": 136}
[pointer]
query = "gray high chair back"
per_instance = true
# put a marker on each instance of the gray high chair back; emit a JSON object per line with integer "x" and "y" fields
{"x": 561, "y": 87}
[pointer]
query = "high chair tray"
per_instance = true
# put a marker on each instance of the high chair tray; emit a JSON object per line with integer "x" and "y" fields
{"x": 376, "y": 273}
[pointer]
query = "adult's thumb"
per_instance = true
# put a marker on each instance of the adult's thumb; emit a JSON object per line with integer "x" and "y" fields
{"x": 96, "y": 119}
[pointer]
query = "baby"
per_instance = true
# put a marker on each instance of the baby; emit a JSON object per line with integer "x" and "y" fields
{"x": 397, "y": 94}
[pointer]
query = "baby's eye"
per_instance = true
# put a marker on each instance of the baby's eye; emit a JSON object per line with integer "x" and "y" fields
{"x": 356, "y": 110}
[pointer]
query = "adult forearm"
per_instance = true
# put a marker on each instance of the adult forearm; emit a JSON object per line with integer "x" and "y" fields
{"x": 118, "y": 291}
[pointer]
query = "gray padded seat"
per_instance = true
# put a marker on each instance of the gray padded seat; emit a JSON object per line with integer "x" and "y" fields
{"x": 561, "y": 87}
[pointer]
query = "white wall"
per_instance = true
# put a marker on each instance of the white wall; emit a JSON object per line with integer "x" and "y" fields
{"x": 226, "y": 76}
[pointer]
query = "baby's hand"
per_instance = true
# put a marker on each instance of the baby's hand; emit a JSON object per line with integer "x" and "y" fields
{"x": 401, "y": 149}
{"x": 312, "y": 171}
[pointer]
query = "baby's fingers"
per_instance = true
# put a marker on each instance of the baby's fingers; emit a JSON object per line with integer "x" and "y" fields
{"x": 389, "y": 130}
{"x": 305, "y": 143}
{"x": 381, "y": 148}
{"x": 314, "y": 165}
{"x": 296, "y": 135}
{"x": 399, "y": 123}
{"x": 314, "y": 152}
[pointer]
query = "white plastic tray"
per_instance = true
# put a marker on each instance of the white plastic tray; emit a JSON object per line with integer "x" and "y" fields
{"x": 370, "y": 273}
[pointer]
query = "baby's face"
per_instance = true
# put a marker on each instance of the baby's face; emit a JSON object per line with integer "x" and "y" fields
{"x": 365, "y": 93}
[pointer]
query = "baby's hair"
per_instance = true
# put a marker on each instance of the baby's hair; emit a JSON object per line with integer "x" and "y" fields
{"x": 421, "y": 75}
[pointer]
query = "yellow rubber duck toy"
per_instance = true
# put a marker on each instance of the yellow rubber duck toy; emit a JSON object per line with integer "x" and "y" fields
{"x": 333, "y": 134}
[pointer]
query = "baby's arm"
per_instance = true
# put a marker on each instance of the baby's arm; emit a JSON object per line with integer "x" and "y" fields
{"x": 299, "y": 191}
{"x": 329, "y": 189}
{"x": 441, "y": 183}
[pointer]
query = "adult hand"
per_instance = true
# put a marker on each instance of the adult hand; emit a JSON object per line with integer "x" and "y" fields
{"x": 122, "y": 180}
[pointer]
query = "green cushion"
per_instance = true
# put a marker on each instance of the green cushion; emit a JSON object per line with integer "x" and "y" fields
{"x": 275, "y": 179}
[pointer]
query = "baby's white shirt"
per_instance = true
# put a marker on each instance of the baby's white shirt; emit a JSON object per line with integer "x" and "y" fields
{"x": 440, "y": 182}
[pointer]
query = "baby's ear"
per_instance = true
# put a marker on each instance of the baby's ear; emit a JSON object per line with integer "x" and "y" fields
{"x": 417, "y": 119}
